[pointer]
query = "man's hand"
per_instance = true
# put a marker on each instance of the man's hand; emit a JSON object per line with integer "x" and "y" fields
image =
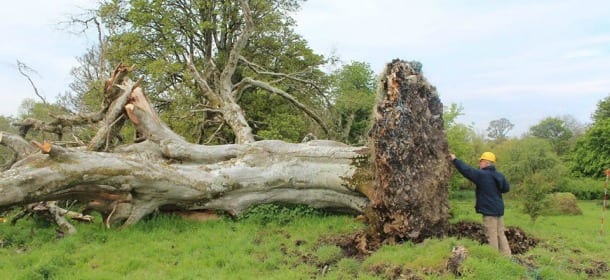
{"x": 451, "y": 156}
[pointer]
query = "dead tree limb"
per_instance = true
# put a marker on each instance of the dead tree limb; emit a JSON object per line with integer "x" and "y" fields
{"x": 288, "y": 97}
{"x": 23, "y": 68}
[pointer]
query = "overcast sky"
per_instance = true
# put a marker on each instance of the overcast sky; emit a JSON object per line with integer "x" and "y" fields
{"x": 520, "y": 60}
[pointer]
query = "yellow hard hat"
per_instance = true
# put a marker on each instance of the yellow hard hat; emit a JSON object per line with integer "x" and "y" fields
{"x": 488, "y": 156}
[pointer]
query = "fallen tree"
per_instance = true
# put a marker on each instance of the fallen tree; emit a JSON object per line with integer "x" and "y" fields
{"x": 163, "y": 170}
{"x": 403, "y": 177}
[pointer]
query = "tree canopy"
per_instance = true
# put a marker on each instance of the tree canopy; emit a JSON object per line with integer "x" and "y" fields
{"x": 602, "y": 112}
{"x": 498, "y": 129}
{"x": 556, "y": 131}
{"x": 209, "y": 65}
{"x": 353, "y": 93}
{"x": 591, "y": 155}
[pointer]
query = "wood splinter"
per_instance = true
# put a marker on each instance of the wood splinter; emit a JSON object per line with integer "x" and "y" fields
{"x": 45, "y": 147}
{"x": 132, "y": 116}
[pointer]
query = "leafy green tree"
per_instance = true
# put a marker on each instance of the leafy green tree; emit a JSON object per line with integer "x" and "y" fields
{"x": 463, "y": 141}
{"x": 6, "y": 155}
{"x": 591, "y": 156}
{"x": 521, "y": 158}
{"x": 555, "y": 131}
{"x": 459, "y": 136}
{"x": 211, "y": 66}
{"x": 273, "y": 118}
{"x": 532, "y": 168}
{"x": 533, "y": 192}
{"x": 602, "y": 112}
{"x": 498, "y": 129}
{"x": 353, "y": 91}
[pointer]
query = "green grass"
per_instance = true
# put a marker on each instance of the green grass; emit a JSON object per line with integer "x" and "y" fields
{"x": 166, "y": 247}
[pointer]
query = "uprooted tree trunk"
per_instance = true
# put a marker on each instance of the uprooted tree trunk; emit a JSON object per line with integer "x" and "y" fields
{"x": 163, "y": 171}
{"x": 230, "y": 178}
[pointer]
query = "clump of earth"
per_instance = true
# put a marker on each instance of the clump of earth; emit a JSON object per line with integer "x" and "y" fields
{"x": 519, "y": 241}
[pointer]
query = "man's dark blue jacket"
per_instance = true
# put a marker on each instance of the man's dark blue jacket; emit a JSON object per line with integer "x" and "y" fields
{"x": 490, "y": 186}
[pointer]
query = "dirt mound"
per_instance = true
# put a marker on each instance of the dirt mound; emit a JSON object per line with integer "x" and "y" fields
{"x": 595, "y": 269}
{"x": 518, "y": 240}
{"x": 356, "y": 246}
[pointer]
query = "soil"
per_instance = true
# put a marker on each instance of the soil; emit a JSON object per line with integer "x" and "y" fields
{"x": 519, "y": 241}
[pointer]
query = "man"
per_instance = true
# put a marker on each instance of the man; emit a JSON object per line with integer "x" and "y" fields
{"x": 490, "y": 186}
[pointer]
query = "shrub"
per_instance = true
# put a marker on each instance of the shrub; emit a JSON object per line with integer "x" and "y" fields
{"x": 532, "y": 193}
{"x": 278, "y": 214}
{"x": 583, "y": 188}
{"x": 562, "y": 204}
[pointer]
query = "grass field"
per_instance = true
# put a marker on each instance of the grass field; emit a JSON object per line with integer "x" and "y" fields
{"x": 294, "y": 244}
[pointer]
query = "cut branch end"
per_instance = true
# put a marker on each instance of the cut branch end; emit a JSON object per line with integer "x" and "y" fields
{"x": 45, "y": 147}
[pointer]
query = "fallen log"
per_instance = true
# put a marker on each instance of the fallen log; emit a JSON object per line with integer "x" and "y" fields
{"x": 313, "y": 173}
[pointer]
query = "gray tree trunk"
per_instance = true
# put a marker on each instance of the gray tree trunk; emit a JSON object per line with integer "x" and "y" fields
{"x": 148, "y": 175}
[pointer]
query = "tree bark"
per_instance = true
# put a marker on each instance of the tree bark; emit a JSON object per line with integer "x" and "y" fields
{"x": 125, "y": 183}
{"x": 230, "y": 177}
